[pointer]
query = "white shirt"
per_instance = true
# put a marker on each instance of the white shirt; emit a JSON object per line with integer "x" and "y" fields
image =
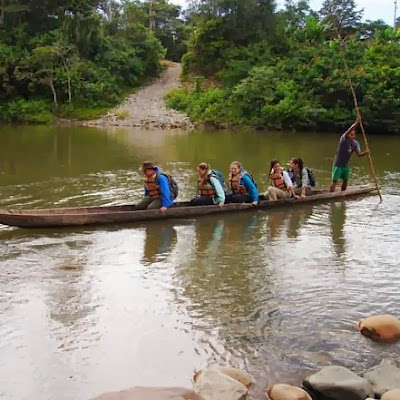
{"x": 287, "y": 180}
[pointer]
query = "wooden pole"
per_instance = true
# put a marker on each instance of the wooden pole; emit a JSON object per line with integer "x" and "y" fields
{"x": 346, "y": 66}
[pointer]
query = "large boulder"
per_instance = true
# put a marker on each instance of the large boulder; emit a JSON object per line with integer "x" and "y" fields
{"x": 383, "y": 377}
{"x": 338, "y": 383}
{"x": 392, "y": 394}
{"x": 212, "y": 384}
{"x": 146, "y": 393}
{"x": 234, "y": 373}
{"x": 286, "y": 392}
{"x": 385, "y": 328}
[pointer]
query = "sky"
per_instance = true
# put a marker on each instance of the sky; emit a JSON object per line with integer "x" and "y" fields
{"x": 373, "y": 9}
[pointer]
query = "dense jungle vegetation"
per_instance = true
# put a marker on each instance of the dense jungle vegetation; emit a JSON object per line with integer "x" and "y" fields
{"x": 246, "y": 62}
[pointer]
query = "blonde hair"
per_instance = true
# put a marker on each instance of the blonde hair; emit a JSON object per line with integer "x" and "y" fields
{"x": 237, "y": 163}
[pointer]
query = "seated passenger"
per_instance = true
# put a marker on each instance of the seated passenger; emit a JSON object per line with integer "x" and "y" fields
{"x": 160, "y": 189}
{"x": 244, "y": 189}
{"x": 302, "y": 184}
{"x": 281, "y": 184}
{"x": 210, "y": 188}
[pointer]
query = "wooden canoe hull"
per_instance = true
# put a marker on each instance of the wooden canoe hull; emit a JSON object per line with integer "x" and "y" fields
{"x": 80, "y": 216}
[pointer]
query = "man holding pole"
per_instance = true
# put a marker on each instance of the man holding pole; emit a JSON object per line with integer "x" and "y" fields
{"x": 347, "y": 145}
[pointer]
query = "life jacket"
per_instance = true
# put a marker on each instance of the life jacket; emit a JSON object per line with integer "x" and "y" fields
{"x": 236, "y": 187}
{"x": 278, "y": 181}
{"x": 206, "y": 188}
{"x": 153, "y": 187}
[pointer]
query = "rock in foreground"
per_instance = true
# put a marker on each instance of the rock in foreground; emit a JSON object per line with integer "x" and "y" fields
{"x": 146, "y": 393}
{"x": 212, "y": 384}
{"x": 385, "y": 328}
{"x": 287, "y": 392}
{"x": 338, "y": 383}
{"x": 383, "y": 377}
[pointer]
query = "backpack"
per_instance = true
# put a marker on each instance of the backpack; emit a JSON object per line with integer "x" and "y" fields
{"x": 251, "y": 177}
{"x": 311, "y": 177}
{"x": 173, "y": 186}
{"x": 218, "y": 174}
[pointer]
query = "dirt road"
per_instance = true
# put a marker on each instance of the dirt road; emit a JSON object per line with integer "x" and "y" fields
{"x": 146, "y": 108}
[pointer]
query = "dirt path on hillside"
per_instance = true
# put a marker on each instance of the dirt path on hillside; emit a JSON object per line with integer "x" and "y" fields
{"x": 146, "y": 108}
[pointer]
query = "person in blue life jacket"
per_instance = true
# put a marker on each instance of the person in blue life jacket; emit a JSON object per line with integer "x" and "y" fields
{"x": 158, "y": 188}
{"x": 210, "y": 189}
{"x": 301, "y": 180}
{"x": 244, "y": 189}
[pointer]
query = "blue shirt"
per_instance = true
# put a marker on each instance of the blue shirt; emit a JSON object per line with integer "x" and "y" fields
{"x": 345, "y": 150}
{"x": 167, "y": 199}
{"x": 251, "y": 188}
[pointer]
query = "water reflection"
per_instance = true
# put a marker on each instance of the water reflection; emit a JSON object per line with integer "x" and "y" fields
{"x": 159, "y": 242}
{"x": 287, "y": 222}
{"x": 337, "y": 219}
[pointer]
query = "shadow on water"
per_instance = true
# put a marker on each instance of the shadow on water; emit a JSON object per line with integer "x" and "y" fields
{"x": 337, "y": 219}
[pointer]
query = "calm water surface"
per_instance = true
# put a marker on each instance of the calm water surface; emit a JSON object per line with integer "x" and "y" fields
{"x": 84, "y": 311}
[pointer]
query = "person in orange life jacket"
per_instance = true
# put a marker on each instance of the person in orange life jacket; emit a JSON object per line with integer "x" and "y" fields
{"x": 243, "y": 188}
{"x": 210, "y": 189}
{"x": 281, "y": 184}
{"x": 157, "y": 189}
{"x": 302, "y": 185}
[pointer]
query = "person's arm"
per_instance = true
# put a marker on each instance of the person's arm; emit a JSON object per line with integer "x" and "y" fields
{"x": 219, "y": 191}
{"x": 305, "y": 182}
{"x": 251, "y": 188}
{"x": 289, "y": 184}
{"x": 165, "y": 191}
{"x": 355, "y": 125}
{"x": 357, "y": 149}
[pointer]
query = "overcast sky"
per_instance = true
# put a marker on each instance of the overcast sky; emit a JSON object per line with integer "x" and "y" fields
{"x": 373, "y": 9}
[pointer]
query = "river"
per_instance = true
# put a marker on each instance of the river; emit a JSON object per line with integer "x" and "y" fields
{"x": 278, "y": 293}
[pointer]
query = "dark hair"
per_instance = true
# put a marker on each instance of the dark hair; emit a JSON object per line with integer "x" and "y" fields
{"x": 148, "y": 165}
{"x": 299, "y": 162}
{"x": 205, "y": 167}
{"x": 273, "y": 163}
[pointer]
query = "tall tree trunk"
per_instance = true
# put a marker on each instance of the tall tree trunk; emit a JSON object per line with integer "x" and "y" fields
{"x": 2, "y": 11}
{"x": 51, "y": 84}
{"x": 68, "y": 80}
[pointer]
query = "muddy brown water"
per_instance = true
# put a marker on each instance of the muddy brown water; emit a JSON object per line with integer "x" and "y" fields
{"x": 278, "y": 293}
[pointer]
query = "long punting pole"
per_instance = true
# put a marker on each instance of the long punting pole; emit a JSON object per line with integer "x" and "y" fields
{"x": 358, "y": 113}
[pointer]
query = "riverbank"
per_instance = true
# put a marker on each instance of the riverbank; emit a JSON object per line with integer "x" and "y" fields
{"x": 146, "y": 108}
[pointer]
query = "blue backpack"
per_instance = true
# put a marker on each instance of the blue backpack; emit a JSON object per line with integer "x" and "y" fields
{"x": 218, "y": 174}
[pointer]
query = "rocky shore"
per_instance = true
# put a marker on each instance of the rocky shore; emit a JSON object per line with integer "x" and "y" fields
{"x": 146, "y": 108}
{"x": 332, "y": 382}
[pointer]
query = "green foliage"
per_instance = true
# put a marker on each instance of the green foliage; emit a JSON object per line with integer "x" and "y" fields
{"x": 21, "y": 110}
{"x": 71, "y": 55}
{"x": 293, "y": 77}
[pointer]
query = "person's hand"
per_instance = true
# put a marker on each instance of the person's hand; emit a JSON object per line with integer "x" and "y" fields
{"x": 254, "y": 203}
{"x": 303, "y": 196}
{"x": 358, "y": 119}
{"x": 296, "y": 196}
{"x": 163, "y": 209}
{"x": 220, "y": 205}
{"x": 367, "y": 151}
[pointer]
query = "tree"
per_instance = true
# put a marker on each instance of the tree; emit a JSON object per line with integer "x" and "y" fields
{"x": 341, "y": 15}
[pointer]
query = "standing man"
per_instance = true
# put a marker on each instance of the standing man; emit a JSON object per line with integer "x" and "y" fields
{"x": 160, "y": 189}
{"x": 347, "y": 145}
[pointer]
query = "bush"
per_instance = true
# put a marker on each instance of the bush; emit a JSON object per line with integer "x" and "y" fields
{"x": 21, "y": 110}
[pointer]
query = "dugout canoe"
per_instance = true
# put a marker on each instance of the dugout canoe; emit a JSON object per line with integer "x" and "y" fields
{"x": 80, "y": 216}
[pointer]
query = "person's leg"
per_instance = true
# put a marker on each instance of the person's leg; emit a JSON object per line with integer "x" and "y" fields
{"x": 144, "y": 203}
{"x": 201, "y": 201}
{"x": 272, "y": 193}
{"x": 229, "y": 198}
{"x": 156, "y": 203}
{"x": 345, "y": 177}
{"x": 241, "y": 198}
{"x": 336, "y": 174}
